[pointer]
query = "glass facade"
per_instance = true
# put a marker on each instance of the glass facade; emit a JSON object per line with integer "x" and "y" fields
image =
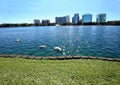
{"x": 87, "y": 18}
{"x": 45, "y": 22}
{"x": 101, "y": 18}
{"x": 75, "y": 19}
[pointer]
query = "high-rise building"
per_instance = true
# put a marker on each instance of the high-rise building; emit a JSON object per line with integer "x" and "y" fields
{"x": 75, "y": 19}
{"x": 45, "y": 22}
{"x": 101, "y": 18}
{"x": 87, "y": 18}
{"x": 67, "y": 19}
{"x": 36, "y": 21}
{"x": 62, "y": 20}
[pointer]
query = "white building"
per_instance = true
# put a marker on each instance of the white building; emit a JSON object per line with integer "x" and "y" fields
{"x": 62, "y": 20}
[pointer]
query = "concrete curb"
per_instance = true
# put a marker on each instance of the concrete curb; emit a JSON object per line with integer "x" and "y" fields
{"x": 58, "y": 57}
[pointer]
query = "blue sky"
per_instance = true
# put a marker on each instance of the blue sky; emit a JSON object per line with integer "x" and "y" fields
{"x": 20, "y": 11}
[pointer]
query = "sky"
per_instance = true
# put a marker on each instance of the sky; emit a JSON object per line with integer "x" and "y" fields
{"x": 24, "y": 11}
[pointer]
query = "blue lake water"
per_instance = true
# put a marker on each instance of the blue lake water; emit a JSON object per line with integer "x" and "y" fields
{"x": 74, "y": 40}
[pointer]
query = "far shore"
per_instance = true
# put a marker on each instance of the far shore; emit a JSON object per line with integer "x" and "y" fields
{"x": 108, "y": 23}
{"x": 52, "y": 25}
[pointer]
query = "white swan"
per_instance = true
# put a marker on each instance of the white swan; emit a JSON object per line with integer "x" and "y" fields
{"x": 57, "y": 48}
{"x": 57, "y": 25}
{"x": 18, "y": 40}
{"x": 42, "y": 46}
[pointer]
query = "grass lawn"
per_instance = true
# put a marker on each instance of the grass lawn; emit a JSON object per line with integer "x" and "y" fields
{"x": 17, "y": 71}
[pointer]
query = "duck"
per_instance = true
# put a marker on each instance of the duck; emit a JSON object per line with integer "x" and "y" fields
{"x": 57, "y": 48}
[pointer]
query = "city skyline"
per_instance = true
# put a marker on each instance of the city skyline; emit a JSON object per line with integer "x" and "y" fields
{"x": 25, "y": 11}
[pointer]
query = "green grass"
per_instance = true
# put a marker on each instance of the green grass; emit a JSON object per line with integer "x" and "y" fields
{"x": 16, "y": 71}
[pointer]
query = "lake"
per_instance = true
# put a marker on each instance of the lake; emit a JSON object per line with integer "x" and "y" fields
{"x": 73, "y": 40}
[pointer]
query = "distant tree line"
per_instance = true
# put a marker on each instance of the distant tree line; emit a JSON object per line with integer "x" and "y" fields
{"x": 53, "y": 24}
{"x": 15, "y": 25}
{"x": 95, "y": 23}
{"x": 24, "y": 25}
{"x": 113, "y": 22}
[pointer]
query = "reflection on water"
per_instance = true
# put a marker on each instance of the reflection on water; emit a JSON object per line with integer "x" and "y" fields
{"x": 73, "y": 40}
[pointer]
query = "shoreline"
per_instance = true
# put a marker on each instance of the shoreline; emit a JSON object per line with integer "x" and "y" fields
{"x": 52, "y": 25}
{"x": 58, "y": 57}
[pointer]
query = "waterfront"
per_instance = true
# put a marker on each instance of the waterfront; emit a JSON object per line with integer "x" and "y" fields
{"x": 74, "y": 40}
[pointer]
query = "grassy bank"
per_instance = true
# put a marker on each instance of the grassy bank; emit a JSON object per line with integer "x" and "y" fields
{"x": 16, "y": 71}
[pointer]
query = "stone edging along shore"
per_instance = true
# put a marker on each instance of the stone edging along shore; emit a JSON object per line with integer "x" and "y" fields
{"x": 58, "y": 57}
